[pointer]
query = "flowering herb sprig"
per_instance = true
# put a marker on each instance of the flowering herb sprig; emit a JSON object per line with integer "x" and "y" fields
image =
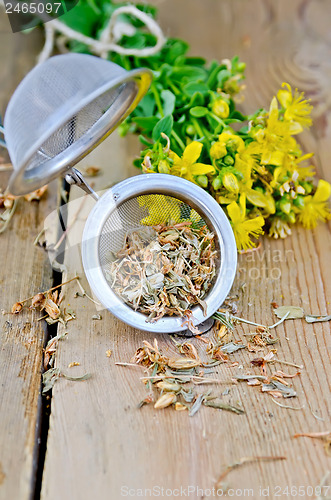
{"x": 191, "y": 127}
{"x": 255, "y": 173}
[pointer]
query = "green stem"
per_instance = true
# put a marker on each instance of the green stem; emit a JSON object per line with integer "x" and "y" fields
{"x": 178, "y": 139}
{"x": 173, "y": 87}
{"x": 215, "y": 117}
{"x": 157, "y": 99}
{"x": 198, "y": 128}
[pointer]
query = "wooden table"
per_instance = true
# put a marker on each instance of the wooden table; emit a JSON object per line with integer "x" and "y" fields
{"x": 99, "y": 444}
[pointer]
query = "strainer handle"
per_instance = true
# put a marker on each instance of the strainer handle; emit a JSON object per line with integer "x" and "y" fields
{"x": 75, "y": 177}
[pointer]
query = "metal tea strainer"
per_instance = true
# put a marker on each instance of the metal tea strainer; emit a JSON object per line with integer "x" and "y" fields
{"x": 62, "y": 110}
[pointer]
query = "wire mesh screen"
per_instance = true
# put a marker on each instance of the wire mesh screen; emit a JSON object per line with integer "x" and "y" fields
{"x": 49, "y": 92}
{"x": 137, "y": 214}
{"x": 83, "y": 121}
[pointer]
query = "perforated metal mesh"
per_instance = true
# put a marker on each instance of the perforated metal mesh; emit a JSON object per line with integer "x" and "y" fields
{"x": 141, "y": 212}
{"x": 54, "y": 90}
{"x": 79, "y": 124}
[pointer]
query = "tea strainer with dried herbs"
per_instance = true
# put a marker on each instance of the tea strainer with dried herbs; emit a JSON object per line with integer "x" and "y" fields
{"x": 158, "y": 251}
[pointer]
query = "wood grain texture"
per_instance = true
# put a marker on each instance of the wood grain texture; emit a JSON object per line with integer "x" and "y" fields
{"x": 24, "y": 270}
{"x": 98, "y": 440}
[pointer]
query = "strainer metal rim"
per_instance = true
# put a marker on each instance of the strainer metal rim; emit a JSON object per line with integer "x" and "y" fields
{"x": 22, "y": 182}
{"x": 171, "y": 186}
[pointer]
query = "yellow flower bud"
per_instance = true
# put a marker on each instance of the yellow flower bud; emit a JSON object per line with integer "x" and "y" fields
{"x": 218, "y": 150}
{"x": 220, "y": 108}
{"x": 230, "y": 183}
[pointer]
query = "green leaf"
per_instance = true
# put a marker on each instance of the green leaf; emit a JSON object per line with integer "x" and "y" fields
{"x": 169, "y": 100}
{"x": 198, "y": 111}
{"x": 195, "y": 61}
{"x": 82, "y": 18}
{"x": 196, "y": 100}
{"x": 188, "y": 73}
{"x": 178, "y": 48}
{"x": 146, "y": 106}
{"x": 238, "y": 116}
{"x": 223, "y": 75}
{"x": 164, "y": 125}
{"x": 214, "y": 69}
{"x": 192, "y": 87}
{"x": 144, "y": 141}
{"x": 147, "y": 123}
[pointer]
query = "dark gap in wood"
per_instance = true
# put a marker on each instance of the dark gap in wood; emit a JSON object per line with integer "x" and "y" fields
{"x": 45, "y": 402}
{"x": 44, "y": 411}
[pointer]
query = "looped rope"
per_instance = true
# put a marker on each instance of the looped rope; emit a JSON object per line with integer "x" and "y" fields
{"x": 105, "y": 44}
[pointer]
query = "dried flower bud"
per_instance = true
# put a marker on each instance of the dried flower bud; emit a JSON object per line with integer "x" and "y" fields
{"x": 258, "y": 361}
{"x": 183, "y": 363}
{"x": 92, "y": 171}
{"x": 168, "y": 386}
{"x": 38, "y": 300}
{"x": 17, "y": 307}
{"x": 51, "y": 308}
{"x": 165, "y": 400}
{"x": 36, "y": 195}
{"x": 8, "y": 202}
{"x": 180, "y": 407}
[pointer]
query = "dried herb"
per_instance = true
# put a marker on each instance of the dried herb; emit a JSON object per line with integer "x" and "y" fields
{"x": 53, "y": 374}
{"x": 311, "y": 318}
{"x": 292, "y": 312}
{"x": 278, "y": 388}
{"x": 165, "y": 270}
{"x": 97, "y": 317}
{"x": 165, "y": 400}
{"x": 48, "y": 301}
{"x": 218, "y": 404}
{"x": 231, "y": 347}
{"x": 50, "y": 351}
{"x": 243, "y": 461}
{"x": 197, "y": 403}
{"x": 286, "y": 406}
{"x": 324, "y": 436}
{"x": 9, "y": 203}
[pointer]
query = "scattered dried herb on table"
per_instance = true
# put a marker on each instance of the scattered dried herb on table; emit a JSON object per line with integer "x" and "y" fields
{"x": 165, "y": 270}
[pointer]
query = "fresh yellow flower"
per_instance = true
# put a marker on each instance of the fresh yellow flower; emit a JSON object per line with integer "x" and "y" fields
{"x": 261, "y": 200}
{"x": 244, "y": 228}
{"x": 163, "y": 167}
{"x": 297, "y": 108}
{"x": 187, "y": 166}
{"x": 315, "y": 208}
{"x": 273, "y": 142}
{"x": 306, "y": 172}
{"x": 161, "y": 209}
{"x": 220, "y": 108}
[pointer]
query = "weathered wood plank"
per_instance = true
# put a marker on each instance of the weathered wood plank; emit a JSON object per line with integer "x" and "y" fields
{"x": 24, "y": 270}
{"x": 99, "y": 441}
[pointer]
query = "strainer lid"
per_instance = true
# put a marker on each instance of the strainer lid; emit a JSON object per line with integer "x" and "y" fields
{"x": 62, "y": 110}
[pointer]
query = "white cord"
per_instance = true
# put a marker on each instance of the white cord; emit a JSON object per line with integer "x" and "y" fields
{"x": 104, "y": 45}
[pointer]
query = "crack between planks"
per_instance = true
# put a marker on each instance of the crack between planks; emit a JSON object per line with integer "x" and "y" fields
{"x": 45, "y": 402}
